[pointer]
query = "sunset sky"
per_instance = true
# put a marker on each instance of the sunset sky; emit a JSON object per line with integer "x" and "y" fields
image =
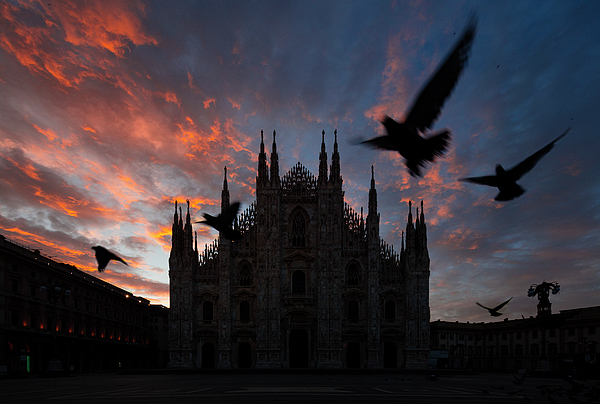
{"x": 112, "y": 110}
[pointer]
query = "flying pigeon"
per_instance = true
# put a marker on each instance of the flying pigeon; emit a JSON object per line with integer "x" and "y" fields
{"x": 405, "y": 137}
{"x": 494, "y": 312}
{"x": 506, "y": 180}
{"x": 223, "y": 222}
{"x": 103, "y": 256}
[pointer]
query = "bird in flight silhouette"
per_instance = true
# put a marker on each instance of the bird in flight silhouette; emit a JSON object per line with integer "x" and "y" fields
{"x": 223, "y": 222}
{"x": 405, "y": 137}
{"x": 103, "y": 256}
{"x": 506, "y": 180}
{"x": 494, "y": 312}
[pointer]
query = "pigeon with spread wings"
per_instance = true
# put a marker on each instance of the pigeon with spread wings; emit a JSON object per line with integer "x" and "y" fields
{"x": 103, "y": 256}
{"x": 506, "y": 180}
{"x": 494, "y": 312}
{"x": 404, "y": 137}
{"x": 223, "y": 221}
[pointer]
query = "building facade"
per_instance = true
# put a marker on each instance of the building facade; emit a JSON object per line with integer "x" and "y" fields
{"x": 310, "y": 285}
{"x": 563, "y": 342}
{"x": 55, "y": 317}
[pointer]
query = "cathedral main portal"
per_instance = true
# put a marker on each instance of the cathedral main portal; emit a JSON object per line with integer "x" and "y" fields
{"x": 298, "y": 348}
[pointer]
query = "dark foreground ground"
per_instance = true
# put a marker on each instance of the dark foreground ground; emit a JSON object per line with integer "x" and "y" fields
{"x": 297, "y": 388}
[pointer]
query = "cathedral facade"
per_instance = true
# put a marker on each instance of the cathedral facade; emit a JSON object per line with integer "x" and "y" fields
{"x": 310, "y": 284}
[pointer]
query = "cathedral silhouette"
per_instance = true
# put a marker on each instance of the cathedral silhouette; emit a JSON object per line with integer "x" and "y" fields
{"x": 310, "y": 284}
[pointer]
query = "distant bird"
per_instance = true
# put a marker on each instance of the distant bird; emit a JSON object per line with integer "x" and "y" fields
{"x": 405, "y": 137}
{"x": 223, "y": 222}
{"x": 494, "y": 312}
{"x": 103, "y": 256}
{"x": 506, "y": 180}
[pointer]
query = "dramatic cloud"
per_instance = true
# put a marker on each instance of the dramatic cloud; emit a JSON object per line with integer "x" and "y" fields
{"x": 112, "y": 111}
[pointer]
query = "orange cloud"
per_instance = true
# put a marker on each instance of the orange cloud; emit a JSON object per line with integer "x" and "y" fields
{"x": 169, "y": 97}
{"x": 71, "y": 44}
{"x": 28, "y": 169}
{"x": 66, "y": 205}
{"x": 207, "y": 102}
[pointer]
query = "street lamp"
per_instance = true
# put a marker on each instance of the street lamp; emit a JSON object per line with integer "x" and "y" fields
{"x": 53, "y": 295}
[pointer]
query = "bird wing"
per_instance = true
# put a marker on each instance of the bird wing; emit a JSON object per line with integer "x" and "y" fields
{"x": 527, "y": 165}
{"x": 428, "y": 105}
{"x": 230, "y": 213}
{"x": 489, "y": 180}
{"x": 113, "y": 256}
{"x": 501, "y": 305}
{"x": 381, "y": 142}
{"x": 481, "y": 305}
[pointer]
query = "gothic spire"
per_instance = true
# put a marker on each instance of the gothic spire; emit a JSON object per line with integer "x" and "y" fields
{"x": 274, "y": 164}
{"x": 336, "y": 176}
{"x": 263, "y": 175}
{"x": 323, "y": 161}
{"x": 224, "y": 192}
{"x": 372, "y": 194}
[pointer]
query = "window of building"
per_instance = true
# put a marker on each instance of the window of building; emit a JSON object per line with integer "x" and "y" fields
{"x": 518, "y": 350}
{"x": 353, "y": 277}
{"x": 571, "y": 347}
{"x": 34, "y": 321}
{"x": 451, "y": 336}
{"x": 353, "y": 311}
{"x": 519, "y": 335}
{"x": 244, "y": 312}
{"x": 298, "y": 231}
{"x": 534, "y": 334}
{"x": 390, "y": 310}
{"x": 207, "y": 312}
{"x": 33, "y": 290}
{"x": 490, "y": 337}
{"x": 15, "y": 286}
{"x": 504, "y": 336}
{"x": 571, "y": 332}
{"x": 503, "y": 350}
{"x": 552, "y": 333}
{"x": 592, "y": 330}
{"x": 470, "y": 337}
{"x": 245, "y": 275}
{"x": 443, "y": 335}
{"x": 534, "y": 350}
{"x": 298, "y": 282}
{"x": 461, "y": 337}
{"x": 552, "y": 349}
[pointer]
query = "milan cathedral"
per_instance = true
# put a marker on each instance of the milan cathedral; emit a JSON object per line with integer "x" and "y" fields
{"x": 310, "y": 285}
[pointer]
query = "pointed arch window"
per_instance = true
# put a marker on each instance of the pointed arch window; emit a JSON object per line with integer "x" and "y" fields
{"x": 244, "y": 312}
{"x": 390, "y": 310}
{"x": 298, "y": 282}
{"x": 353, "y": 311}
{"x": 245, "y": 275}
{"x": 353, "y": 277}
{"x": 207, "y": 312}
{"x": 298, "y": 230}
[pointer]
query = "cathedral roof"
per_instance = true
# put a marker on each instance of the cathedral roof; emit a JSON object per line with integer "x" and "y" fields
{"x": 299, "y": 183}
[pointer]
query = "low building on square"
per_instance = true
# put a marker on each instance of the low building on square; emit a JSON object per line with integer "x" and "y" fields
{"x": 563, "y": 342}
{"x": 53, "y": 315}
